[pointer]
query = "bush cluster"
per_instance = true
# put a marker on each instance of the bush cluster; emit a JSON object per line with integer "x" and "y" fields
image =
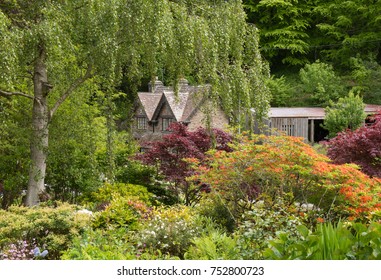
{"x": 51, "y": 228}
{"x": 266, "y": 198}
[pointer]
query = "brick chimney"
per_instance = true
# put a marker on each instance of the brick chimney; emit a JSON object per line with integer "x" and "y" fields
{"x": 156, "y": 85}
{"x": 183, "y": 84}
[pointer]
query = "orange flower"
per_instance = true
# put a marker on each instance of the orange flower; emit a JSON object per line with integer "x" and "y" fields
{"x": 250, "y": 168}
{"x": 366, "y": 198}
{"x": 320, "y": 220}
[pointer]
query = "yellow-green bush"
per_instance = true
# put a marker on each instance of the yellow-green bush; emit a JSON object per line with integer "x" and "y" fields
{"x": 51, "y": 228}
{"x": 121, "y": 212}
{"x": 107, "y": 192}
{"x": 101, "y": 244}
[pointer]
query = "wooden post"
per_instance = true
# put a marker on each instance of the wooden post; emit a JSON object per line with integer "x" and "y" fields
{"x": 312, "y": 131}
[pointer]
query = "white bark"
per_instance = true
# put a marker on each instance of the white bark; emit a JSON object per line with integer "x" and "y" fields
{"x": 40, "y": 132}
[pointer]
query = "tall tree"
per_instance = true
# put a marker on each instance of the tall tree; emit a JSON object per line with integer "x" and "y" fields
{"x": 52, "y": 47}
{"x": 349, "y": 28}
{"x": 284, "y": 28}
{"x": 49, "y": 57}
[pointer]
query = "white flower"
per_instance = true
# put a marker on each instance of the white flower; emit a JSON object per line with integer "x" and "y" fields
{"x": 85, "y": 211}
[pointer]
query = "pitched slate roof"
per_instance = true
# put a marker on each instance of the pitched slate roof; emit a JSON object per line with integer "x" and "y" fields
{"x": 149, "y": 101}
{"x": 183, "y": 104}
{"x": 177, "y": 103}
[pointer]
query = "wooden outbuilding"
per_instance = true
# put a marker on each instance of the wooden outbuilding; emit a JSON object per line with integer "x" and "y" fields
{"x": 304, "y": 121}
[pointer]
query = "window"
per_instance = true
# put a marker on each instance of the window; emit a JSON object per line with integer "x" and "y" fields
{"x": 166, "y": 122}
{"x": 289, "y": 129}
{"x": 141, "y": 123}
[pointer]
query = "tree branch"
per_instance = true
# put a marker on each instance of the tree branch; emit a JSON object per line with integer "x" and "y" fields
{"x": 70, "y": 90}
{"x": 9, "y": 94}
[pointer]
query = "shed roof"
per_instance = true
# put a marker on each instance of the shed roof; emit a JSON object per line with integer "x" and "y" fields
{"x": 311, "y": 112}
{"x": 297, "y": 112}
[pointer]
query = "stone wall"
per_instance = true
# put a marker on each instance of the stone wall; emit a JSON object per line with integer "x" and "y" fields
{"x": 216, "y": 116}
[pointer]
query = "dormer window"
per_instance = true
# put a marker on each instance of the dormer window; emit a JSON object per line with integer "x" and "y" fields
{"x": 166, "y": 122}
{"x": 141, "y": 123}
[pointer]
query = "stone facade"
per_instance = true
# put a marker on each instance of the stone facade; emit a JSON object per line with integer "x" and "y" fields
{"x": 159, "y": 108}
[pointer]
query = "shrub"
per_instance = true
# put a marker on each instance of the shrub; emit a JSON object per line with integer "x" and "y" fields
{"x": 137, "y": 173}
{"x": 121, "y": 205}
{"x": 262, "y": 223}
{"x": 277, "y": 165}
{"x": 342, "y": 241}
{"x": 134, "y": 172}
{"x": 108, "y": 191}
{"x": 100, "y": 244}
{"x": 169, "y": 230}
{"x": 346, "y": 113}
{"x": 213, "y": 206}
{"x": 361, "y": 147}
{"x": 51, "y": 228}
{"x": 121, "y": 212}
{"x": 214, "y": 245}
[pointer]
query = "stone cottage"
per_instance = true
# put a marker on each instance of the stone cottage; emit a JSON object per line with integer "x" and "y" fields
{"x": 158, "y": 108}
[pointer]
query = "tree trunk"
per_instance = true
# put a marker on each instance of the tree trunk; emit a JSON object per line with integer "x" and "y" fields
{"x": 40, "y": 131}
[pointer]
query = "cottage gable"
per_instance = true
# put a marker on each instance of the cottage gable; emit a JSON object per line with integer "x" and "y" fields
{"x": 162, "y": 106}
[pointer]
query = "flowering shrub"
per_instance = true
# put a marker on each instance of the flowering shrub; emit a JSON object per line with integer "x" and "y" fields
{"x": 169, "y": 230}
{"x": 53, "y": 228}
{"x": 277, "y": 165}
{"x": 20, "y": 250}
{"x": 262, "y": 223}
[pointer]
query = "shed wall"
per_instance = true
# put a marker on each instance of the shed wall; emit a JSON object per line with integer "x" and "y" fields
{"x": 291, "y": 126}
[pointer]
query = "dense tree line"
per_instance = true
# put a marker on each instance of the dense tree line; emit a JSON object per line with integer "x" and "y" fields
{"x": 345, "y": 35}
{"x": 299, "y": 31}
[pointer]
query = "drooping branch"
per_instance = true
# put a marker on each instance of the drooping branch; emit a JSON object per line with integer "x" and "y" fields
{"x": 10, "y": 93}
{"x": 70, "y": 90}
